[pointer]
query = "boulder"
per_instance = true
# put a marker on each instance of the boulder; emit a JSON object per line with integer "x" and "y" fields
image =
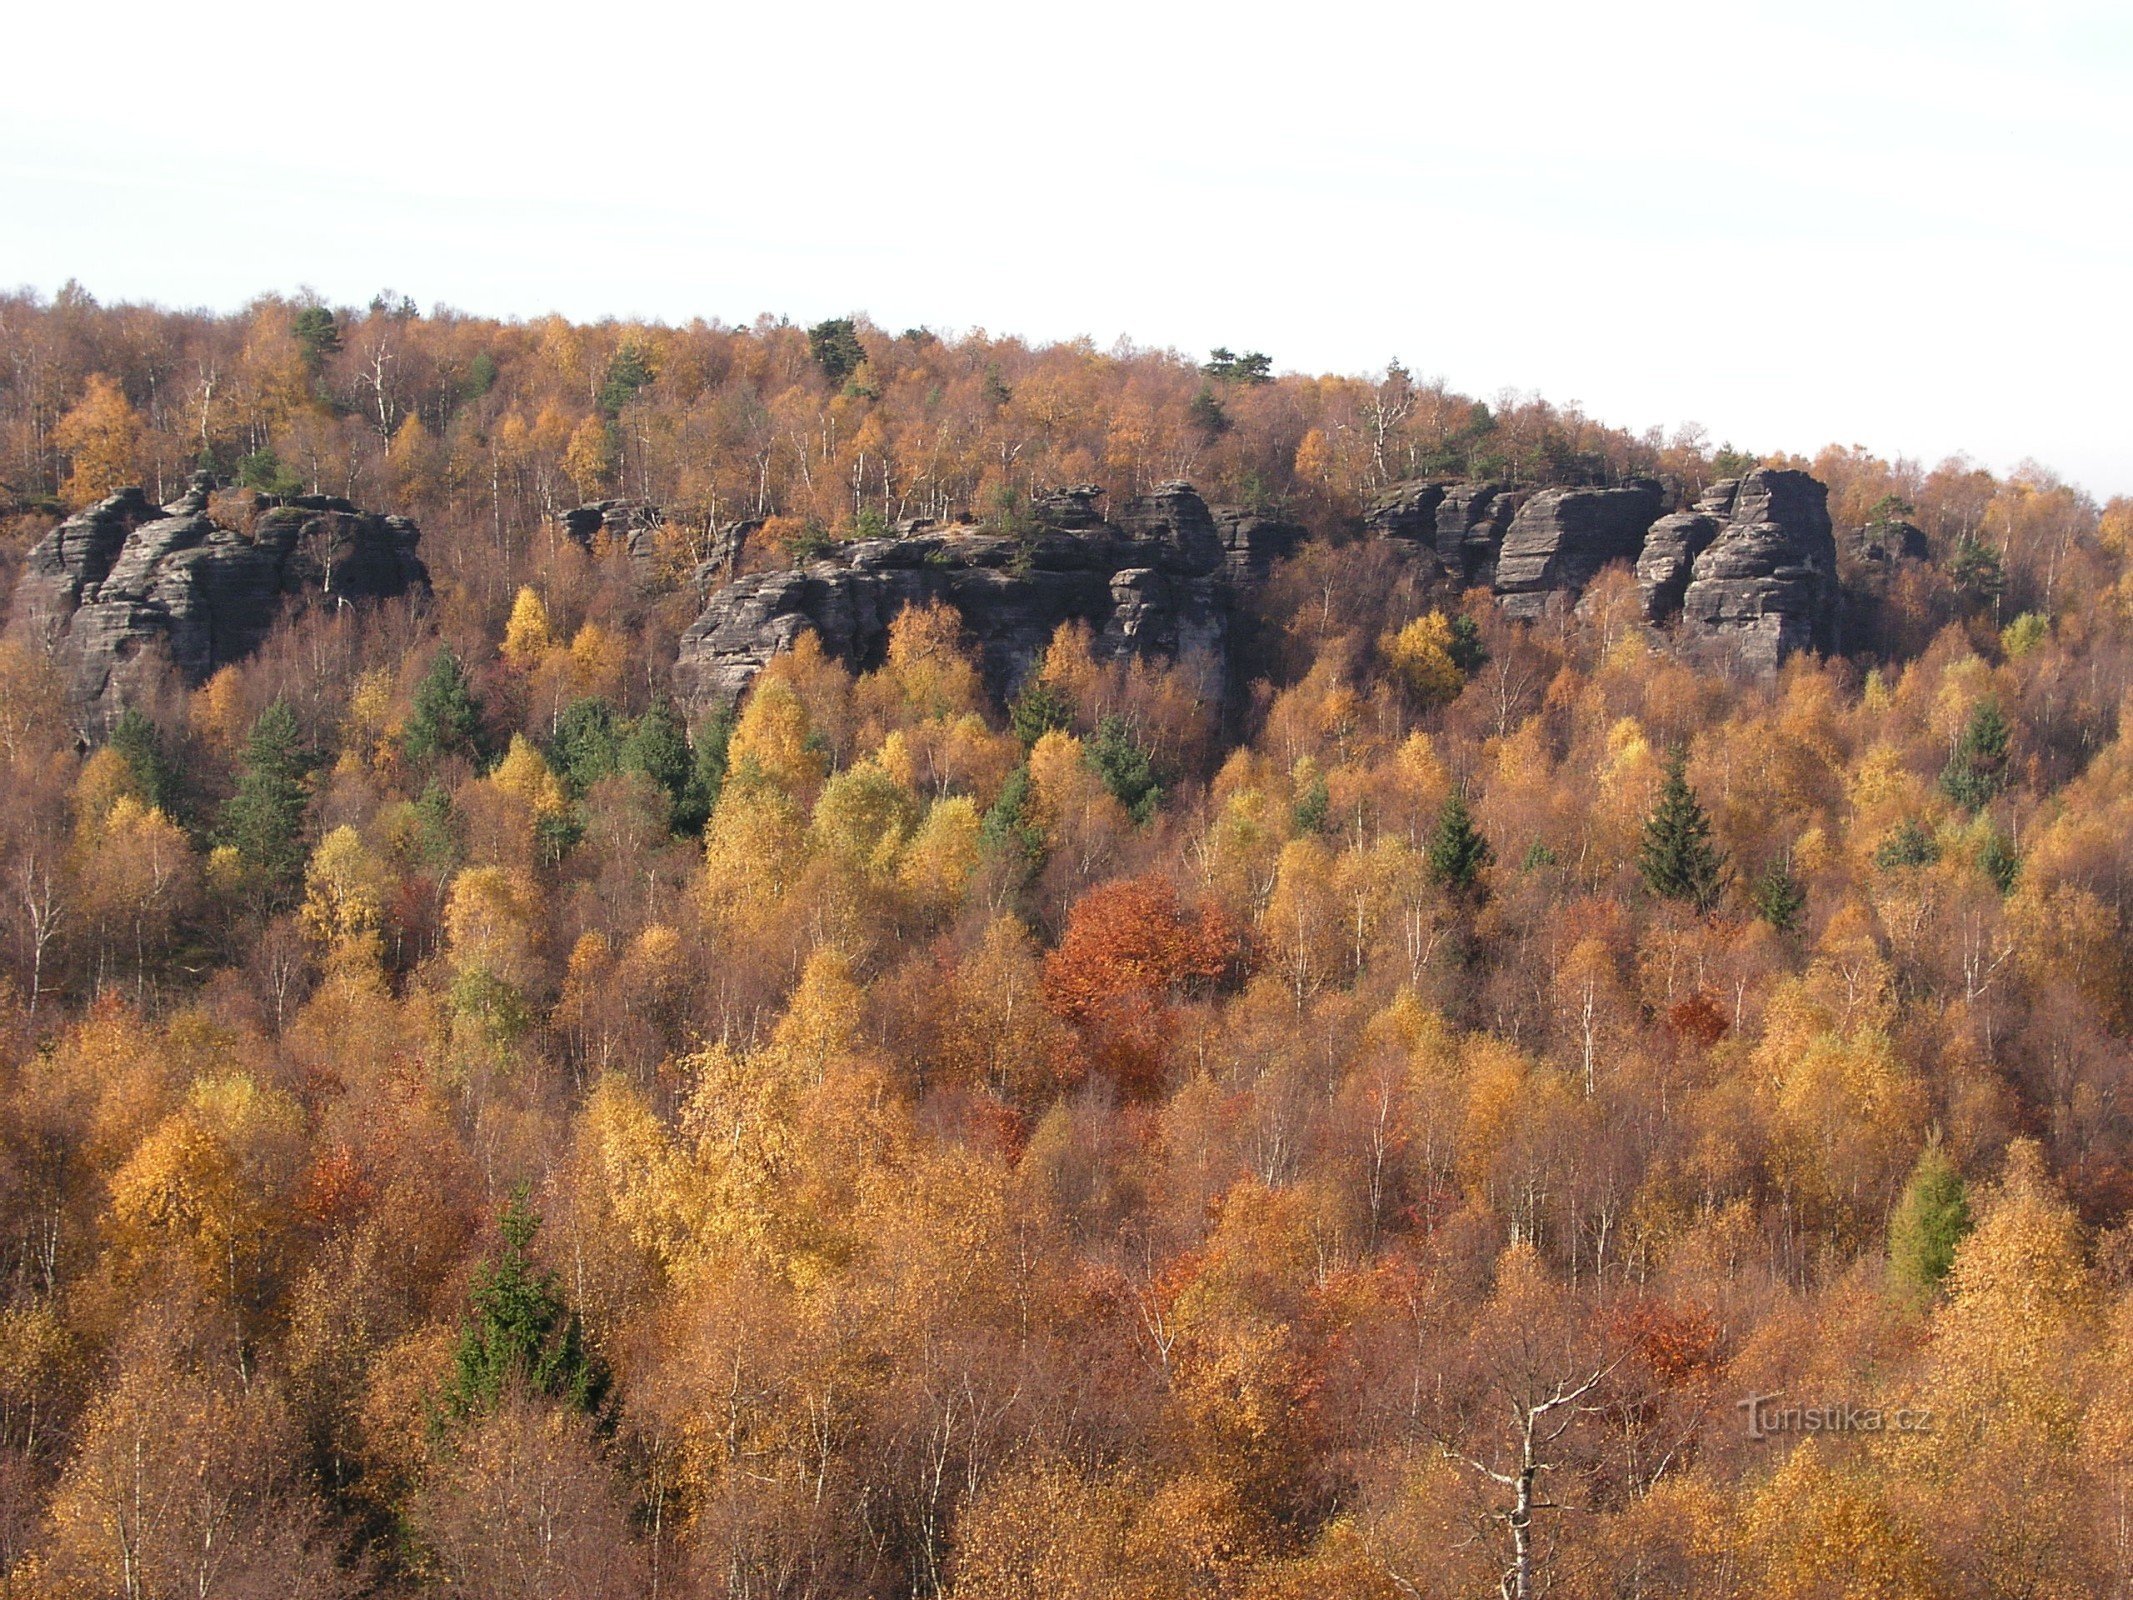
{"x": 1766, "y": 584}
{"x": 1163, "y": 579}
{"x": 1560, "y": 539}
{"x": 124, "y": 585}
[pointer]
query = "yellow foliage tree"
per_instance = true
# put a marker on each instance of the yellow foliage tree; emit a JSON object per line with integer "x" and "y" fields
{"x": 101, "y": 436}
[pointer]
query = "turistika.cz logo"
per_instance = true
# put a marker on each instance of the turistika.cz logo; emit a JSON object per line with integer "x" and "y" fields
{"x": 1768, "y": 1419}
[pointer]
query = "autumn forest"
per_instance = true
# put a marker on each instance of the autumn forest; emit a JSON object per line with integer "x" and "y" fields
{"x": 1460, "y": 1098}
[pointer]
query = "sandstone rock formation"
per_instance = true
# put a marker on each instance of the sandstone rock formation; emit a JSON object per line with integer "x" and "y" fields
{"x": 635, "y": 524}
{"x": 1162, "y": 578}
{"x": 1750, "y": 570}
{"x": 1464, "y": 523}
{"x": 125, "y": 583}
{"x": 1561, "y": 538}
{"x": 1766, "y": 583}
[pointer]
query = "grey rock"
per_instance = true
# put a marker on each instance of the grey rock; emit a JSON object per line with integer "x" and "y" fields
{"x": 634, "y": 524}
{"x": 1407, "y": 511}
{"x": 1669, "y": 555}
{"x": 123, "y": 586}
{"x": 1163, "y": 579}
{"x": 1561, "y": 539}
{"x": 1472, "y": 521}
{"x": 1070, "y": 507}
{"x": 1766, "y": 585}
{"x": 1884, "y": 544}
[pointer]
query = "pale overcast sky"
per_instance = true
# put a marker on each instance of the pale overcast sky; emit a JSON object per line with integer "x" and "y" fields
{"x": 1905, "y": 225}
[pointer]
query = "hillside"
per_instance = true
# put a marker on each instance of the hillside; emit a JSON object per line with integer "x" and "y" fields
{"x": 820, "y": 962}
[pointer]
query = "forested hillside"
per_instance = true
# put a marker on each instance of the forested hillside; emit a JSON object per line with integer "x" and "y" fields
{"x": 483, "y": 1114}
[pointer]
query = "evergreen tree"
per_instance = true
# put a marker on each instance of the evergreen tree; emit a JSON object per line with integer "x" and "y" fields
{"x": 1127, "y": 770}
{"x": 629, "y": 371}
{"x": 587, "y": 745}
{"x": 1678, "y": 861}
{"x": 1996, "y": 858}
{"x": 1908, "y": 845}
{"x": 1253, "y": 367}
{"x": 1932, "y": 1218}
{"x": 1457, "y": 850}
{"x": 264, "y": 818}
{"x": 1008, "y": 829}
{"x": 140, "y": 743}
{"x": 1314, "y": 807}
{"x": 1467, "y": 651}
{"x": 836, "y": 348}
{"x": 436, "y": 829}
{"x": 446, "y": 720}
{"x": 521, "y": 1332}
{"x": 1978, "y": 769}
{"x": 707, "y": 773}
{"x": 1975, "y": 570}
{"x": 1037, "y": 710}
{"x": 1208, "y": 415}
{"x": 318, "y": 335}
{"x": 657, "y": 747}
{"x": 1778, "y": 897}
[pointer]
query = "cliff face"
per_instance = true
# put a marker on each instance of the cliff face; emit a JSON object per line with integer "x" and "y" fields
{"x": 1750, "y": 572}
{"x": 117, "y": 588}
{"x": 1745, "y": 578}
{"x": 1162, "y": 578}
{"x": 1561, "y": 539}
{"x": 1766, "y": 583}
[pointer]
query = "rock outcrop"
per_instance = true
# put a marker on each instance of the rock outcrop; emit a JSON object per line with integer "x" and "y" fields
{"x": 1464, "y": 523}
{"x": 1162, "y": 578}
{"x": 1561, "y": 539}
{"x": 1671, "y": 548}
{"x": 1765, "y": 585}
{"x": 117, "y": 588}
{"x": 634, "y": 524}
{"x": 1750, "y": 571}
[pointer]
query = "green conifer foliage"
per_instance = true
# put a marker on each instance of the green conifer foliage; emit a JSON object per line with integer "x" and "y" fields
{"x": 521, "y": 1333}
{"x": 1978, "y": 769}
{"x": 1127, "y": 770}
{"x": 446, "y": 720}
{"x": 1678, "y": 861}
{"x": 1457, "y": 850}
{"x": 264, "y": 819}
{"x": 1778, "y": 896}
{"x": 1932, "y": 1218}
{"x": 140, "y": 743}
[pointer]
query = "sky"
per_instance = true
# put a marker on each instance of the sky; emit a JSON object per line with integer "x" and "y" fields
{"x": 1902, "y": 225}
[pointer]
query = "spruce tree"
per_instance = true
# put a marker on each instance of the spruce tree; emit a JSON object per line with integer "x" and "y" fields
{"x": 1457, "y": 850}
{"x": 446, "y": 720}
{"x": 521, "y": 1333}
{"x": 264, "y": 819}
{"x": 1778, "y": 897}
{"x": 1932, "y": 1218}
{"x": 658, "y": 747}
{"x": 587, "y": 745}
{"x": 1978, "y": 769}
{"x": 1127, "y": 770}
{"x": 140, "y": 744}
{"x": 1037, "y": 710}
{"x": 1678, "y": 861}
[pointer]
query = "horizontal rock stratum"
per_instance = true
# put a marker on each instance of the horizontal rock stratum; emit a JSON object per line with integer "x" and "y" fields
{"x": 1162, "y": 577}
{"x": 125, "y": 584}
